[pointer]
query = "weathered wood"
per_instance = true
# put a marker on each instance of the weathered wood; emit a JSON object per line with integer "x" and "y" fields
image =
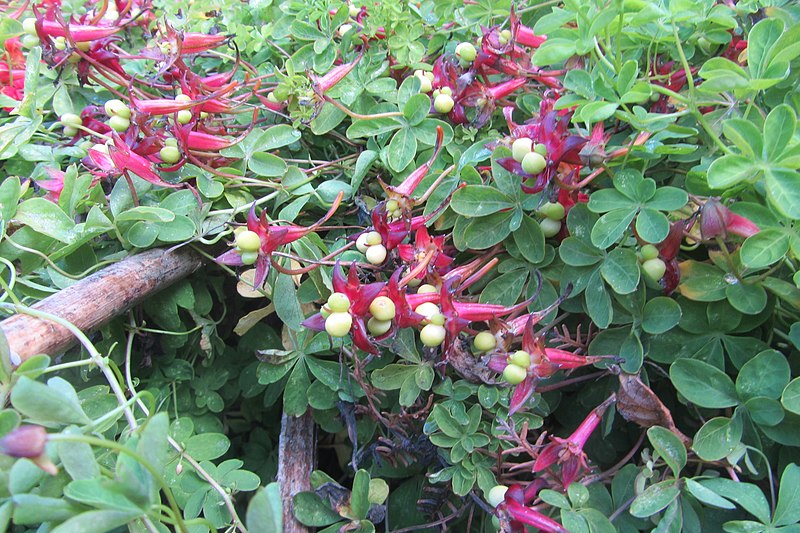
{"x": 297, "y": 456}
{"x": 96, "y": 299}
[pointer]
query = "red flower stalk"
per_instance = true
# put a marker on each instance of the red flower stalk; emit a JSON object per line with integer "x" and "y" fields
{"x": 360, "y": 296}
{"x": 393, "y": 233}
{"x": 519, "y": 514}
{"x": 78, "y": 32}
{"x": 716, "y": 220}
{"x": 272, "y": 237}
{"x": 322, "y": 84}
{"x": 569, "y": 452}
{"x": 194, "y": 43}
{"x": 120, "y": 159}
{"x": 403, "y": 191}
{"x": 404, "y": 312}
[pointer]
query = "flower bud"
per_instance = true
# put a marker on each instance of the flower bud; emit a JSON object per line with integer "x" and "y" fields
{"x": 25, "y": 441}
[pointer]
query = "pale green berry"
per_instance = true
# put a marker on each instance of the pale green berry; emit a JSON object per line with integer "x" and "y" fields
{"x": 438, "y": 319}
{"x": 427, "y": 309}
{"x": 119, "y": 124}
{"x": 466, "y": 52}
{"x": 496, "y": 495}
{"x": 373, "y": 238}
{"x": 376, "y": 255}
{"x": 170, "y": 155}
{"x": 248, "y": 241}
{"x": 29, "y": 26}
{"x": 70, "y": 131}
{"x": 533, "y": 163}
{"x": 443, "y": 103}
{"x": 521, "y": 358}
{"x": 550, "y": 227}
{"x": 338, "y": 302}
{"x": 71, "y": 119}
{"x": 184, "y": 116}
{"x": 514, "y": 374}
{"x": 378, "y": 327}
{"x": 540, "y": 149}
{"x": 249, "y": 258}
{"x": 654, "y": 268}
{"x": 432, "y": 335}
{"x": 338, "y": 324}
{"x": 383, "y": 308}
{"x": 552, "y": 210}
{"x": 648, "y": 252}
{"x": 361, "y": 243}
{"x": 484, "y": 342}
{"x": 520, "y": 148}
{"x": 426, "y": 288}
{"x": 117, "y": 108}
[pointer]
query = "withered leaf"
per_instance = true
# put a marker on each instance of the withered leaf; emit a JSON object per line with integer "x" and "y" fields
{"x": 637, "y": 403}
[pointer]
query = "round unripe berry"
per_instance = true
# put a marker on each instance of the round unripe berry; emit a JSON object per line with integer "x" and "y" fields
{"x": 426, "y": 288}
{"x": 249, "y": 258}
{"x": 438, "y": 319}
{"x": 60, "y": 43}
{"x": 446, "y": 90}
{"x": 117, "y": 108}
{"x": 29, "y": 26}
{"x": 654, "y": 268}
{"x": 520, "y": 148}
{"x": 550, "y": 227}
{"x": 361, "y": 243}
{"x": 338, "y": 302}
{"x": 184, "y": 116}
{"x": 172, "y": 141}
{"x": 427, "y": 309}
{"x": 29, "y": 41}
{"x": 119, "y": 124}
{"x": 514, "y": 374}
{"x": 552, "y": 210}
{"x": 466, "y": 52}
{"x": 373, "y": 238}
{"x": 383, "y": 308}
{"x": 248, "y": 241}
{"x": 170, "y": 154}
{"x": 425, "y": 84}
{"x": 504, "y": 36}
{"x": 540, "y": 149}
{"x": 648, "y": 252}
{"x": 338, "y": 324}
{"x": 484, "y": 342}
{"x": 324, "y": 311}
{"x": 183, "y": 98}
{"x": 533, "y": 163}
{"x": 70, "y": 131}
{"x": 376, "y": 255}
{"x": 496, "y": 495}
{"x": 521, "y": 358}
{"x": 378, "y": 327}
{"x": 432, "y": 335}
{"x": 443, "y": 103}
{"x": 281, "y": 93}
{"x": 392, "y": 205}
{"x": 71, "y": 119}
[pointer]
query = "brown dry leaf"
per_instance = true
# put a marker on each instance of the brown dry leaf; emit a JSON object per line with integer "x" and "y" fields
{"x": 245, "y": 285}
{"x": 468, "y": 366}
{"x": 637, "y": 403}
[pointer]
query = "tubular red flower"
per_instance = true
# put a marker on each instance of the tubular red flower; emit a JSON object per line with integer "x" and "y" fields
{"x": 24, "y": 441}
{"x": 413, "y": 180}
{"x": 525, "y": 515}
{"x": 78, "y": 32}
{"x": 194, "y": 43}
{"x": 321, "y": 84}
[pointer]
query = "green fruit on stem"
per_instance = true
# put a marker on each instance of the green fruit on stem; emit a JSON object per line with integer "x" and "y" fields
{"x": 376, "y": 254}
{"x": 427, "y": 309}
{"x": 484, "y": 342}
{"x": 521, "y": 358}
{"x": 249, "y": 258}
{"x": 654, "y": 269}
{"x": 184, "y": 116}
{"x": 170, "y": 154}
{"x": 496, "y": 495}
{"x": 172, "y": 141}
{"x": 648, "y": 252}
{"x": 443, "y": 103}
{"x": 119, "y": 124}
{"x": 514, "y": 374}
{"x": 29, "y": 26}
{"x": 378, "y": 327}
{"x": 117, "y": 108}
{"x": 426, "y": 288}
{"x": 432, "y": 335}
{"x": 425, "y": 85}
{"x": 183, "y": 98}
{"x": 71, "y": 119}
{"x": 70, "y": 131}
{"x": 437, "y": 319}
{"x": 338, "y": 324}
{"x": 550, "y": 227}
{"x": 520, "y": 148}
{"x": 540, "y": 149}
{"x": 338, "y": 302}
{"x": 466, "y": 52}
{"x": 60, "y": 43}
{"x": 361, "y": 243}
{"x": 29, "y": 41}
{"x": 248, "y": 241}
{"x": 504, "y": 36}
{"x": 533, "y": 163}
{"x": 383, "y": 308}
{"x": 372, "y": 238}
{"x": 553, "y": 210}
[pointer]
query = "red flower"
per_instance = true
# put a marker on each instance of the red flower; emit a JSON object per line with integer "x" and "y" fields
{"x": 272, "y": 237}
{"x": 568, "y": 453}
{"x": 513, "y": 509}
{"x": 425, "y": 249}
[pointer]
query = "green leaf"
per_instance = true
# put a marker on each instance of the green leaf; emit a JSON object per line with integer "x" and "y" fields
{"x": 310, "y": 510}
{"x": 703, "y": 384}
{"x": 267, "y": 165}
{"x": 779, "y": 129}
{"x": 277, "y": 137}
{"x": 605, "y": 200}
{"x": 745, "y": 135}
{"x": 668, "y": 199}
{"x": 765, "y": 411}
{"x": 655, "y": 498}
{"x": 748, "y": 496}
{"x": 729, "y": 170}
{"x": 611, "y": 226}
{"x": 598, "y": 301}
{"x": 265, "y": 510}
{"x": 480, "y": 200}
{"x": 621, "y": 270}
{"x": 766, "y": 374}
{"x": 652, "y": 225}
{"x": 783, "y": 191}
{"x": 99, "y": 492}
{"x": 78, "y": 460}
{"x": 96, "y": 521}
{"x": 30, "y": 509}
{"x": 504, "y": 289}
{"x": 287, "y": 307}
{"x": 717, "y": 438}
{"x": 660, "y": 315}
{"x": 146, "y": 214}
{"x": 371, "y": 128}
{"x": 577, "y": 252}
{"x": 47, "y": 218}
{"x": 207, "y": 446}
{"x": 554, "y": 50}
{"x": 747, "y": 299}
{"x": 764, "y": 248}
{"x": 295, "y": 395}
{"x": 702, "y": 282}
{"x": 417, "y": 108}
{"x": 788, "y": 509}
{"x": 707, "y": 496}
{"x": 484, "y": 232}
{"x": 530, "y": 240}
{"x": 669, "y": 447}
{"x": 47, "y": 403}
{"x": 401, "y": 149}
{"x": 790, "y": 397}
{"x": 759, "y": 42}
{"x": 359, "y": 497}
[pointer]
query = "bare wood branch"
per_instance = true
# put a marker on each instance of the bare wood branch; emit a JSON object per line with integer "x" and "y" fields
{"x": 96, "y": 299}
{"x": 297, "y": 456}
